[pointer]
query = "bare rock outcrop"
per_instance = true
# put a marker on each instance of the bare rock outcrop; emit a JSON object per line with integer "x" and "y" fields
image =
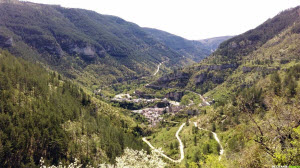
{"x": 6, "y": 41}
{"x": 267, "y": 70}
{"x": 175, "y": 96}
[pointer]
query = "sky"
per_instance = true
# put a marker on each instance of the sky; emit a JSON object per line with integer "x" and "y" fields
{"x": 191, "y": 19}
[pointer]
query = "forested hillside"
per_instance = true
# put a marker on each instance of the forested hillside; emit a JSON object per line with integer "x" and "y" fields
{"x": 44, "y": 115}
{"x": 91, "y": 48}
{"x": 252, "y": 81}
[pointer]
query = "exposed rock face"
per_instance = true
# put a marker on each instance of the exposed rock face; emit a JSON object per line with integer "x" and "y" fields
{"x": 143, "y": 95}
{"x": 201, "y": 78}
{"x": 9, "y": 42}
{"x": 217, "y": 67}
{"x": 260, "y": 69}
{"x": 154, "y": 87}
{"x": 174, "y": 76}
{"x": 87, "y": 52}
{"x": 6, "y": 42}
{"x": 175, "y": 96}
{"x": 217, "y": 80}
{"x": 247, "y": 69}
{"x": 54, "y": 50}
{"x": 162, "y": 104}
{"x": 44, "y": 44}
{"x": 181, "y": 78}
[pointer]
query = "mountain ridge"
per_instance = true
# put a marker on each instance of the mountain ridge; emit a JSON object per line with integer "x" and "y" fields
{"x": 81, "y": 43}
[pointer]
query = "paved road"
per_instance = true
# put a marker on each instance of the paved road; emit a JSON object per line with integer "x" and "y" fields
{"x": 181, "y": 147}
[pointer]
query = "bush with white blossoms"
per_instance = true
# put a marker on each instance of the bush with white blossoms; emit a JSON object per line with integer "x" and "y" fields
{"x": 137, "y": 159}
{"x": 130, "y": 158}
{"x": 72, "y": 165}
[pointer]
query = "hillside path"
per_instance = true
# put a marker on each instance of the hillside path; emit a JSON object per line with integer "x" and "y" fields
{"x": 181, "y": 147}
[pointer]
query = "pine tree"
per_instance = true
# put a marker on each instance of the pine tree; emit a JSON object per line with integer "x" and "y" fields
{"x": 276, "y": 83}
{"x": 187, "y": 122}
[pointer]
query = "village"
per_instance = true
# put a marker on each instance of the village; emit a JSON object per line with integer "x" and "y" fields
{"x": 153, "y": 109}
{"x": 152, "y": 114}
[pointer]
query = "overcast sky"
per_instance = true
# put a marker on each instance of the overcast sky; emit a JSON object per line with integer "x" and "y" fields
{"x": 192, "y": 19}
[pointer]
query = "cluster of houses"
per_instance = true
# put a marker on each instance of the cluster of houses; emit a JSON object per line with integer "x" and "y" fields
{"x": 154, "y": 115}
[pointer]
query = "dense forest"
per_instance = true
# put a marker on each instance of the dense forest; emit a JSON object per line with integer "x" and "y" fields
{"x": 44, "y": 115}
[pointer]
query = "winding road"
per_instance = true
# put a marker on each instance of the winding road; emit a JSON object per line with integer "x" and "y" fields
{"x": 158, "y": 67}
{"x": 201, "y": 97}
{"x": 216, "y": 138}
{"x": 181, "y": 147}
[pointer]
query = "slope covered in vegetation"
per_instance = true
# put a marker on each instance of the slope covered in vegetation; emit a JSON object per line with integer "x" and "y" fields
{"x": 253, "y": 80}
{"x": 83, "y": 45}
{"x": 44, "y": 115}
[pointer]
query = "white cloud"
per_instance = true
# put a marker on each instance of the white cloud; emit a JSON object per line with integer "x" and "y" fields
{"x": 192, "y": 19}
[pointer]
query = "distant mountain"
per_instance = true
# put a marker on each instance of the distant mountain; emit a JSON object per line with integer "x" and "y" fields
{"x": 194, "y": 50}
{"x": 213, "y": 43}
{"x": 91, "y": 48}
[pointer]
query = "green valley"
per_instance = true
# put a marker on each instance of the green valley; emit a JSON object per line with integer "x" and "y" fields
{"x": 83, "y": 89}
